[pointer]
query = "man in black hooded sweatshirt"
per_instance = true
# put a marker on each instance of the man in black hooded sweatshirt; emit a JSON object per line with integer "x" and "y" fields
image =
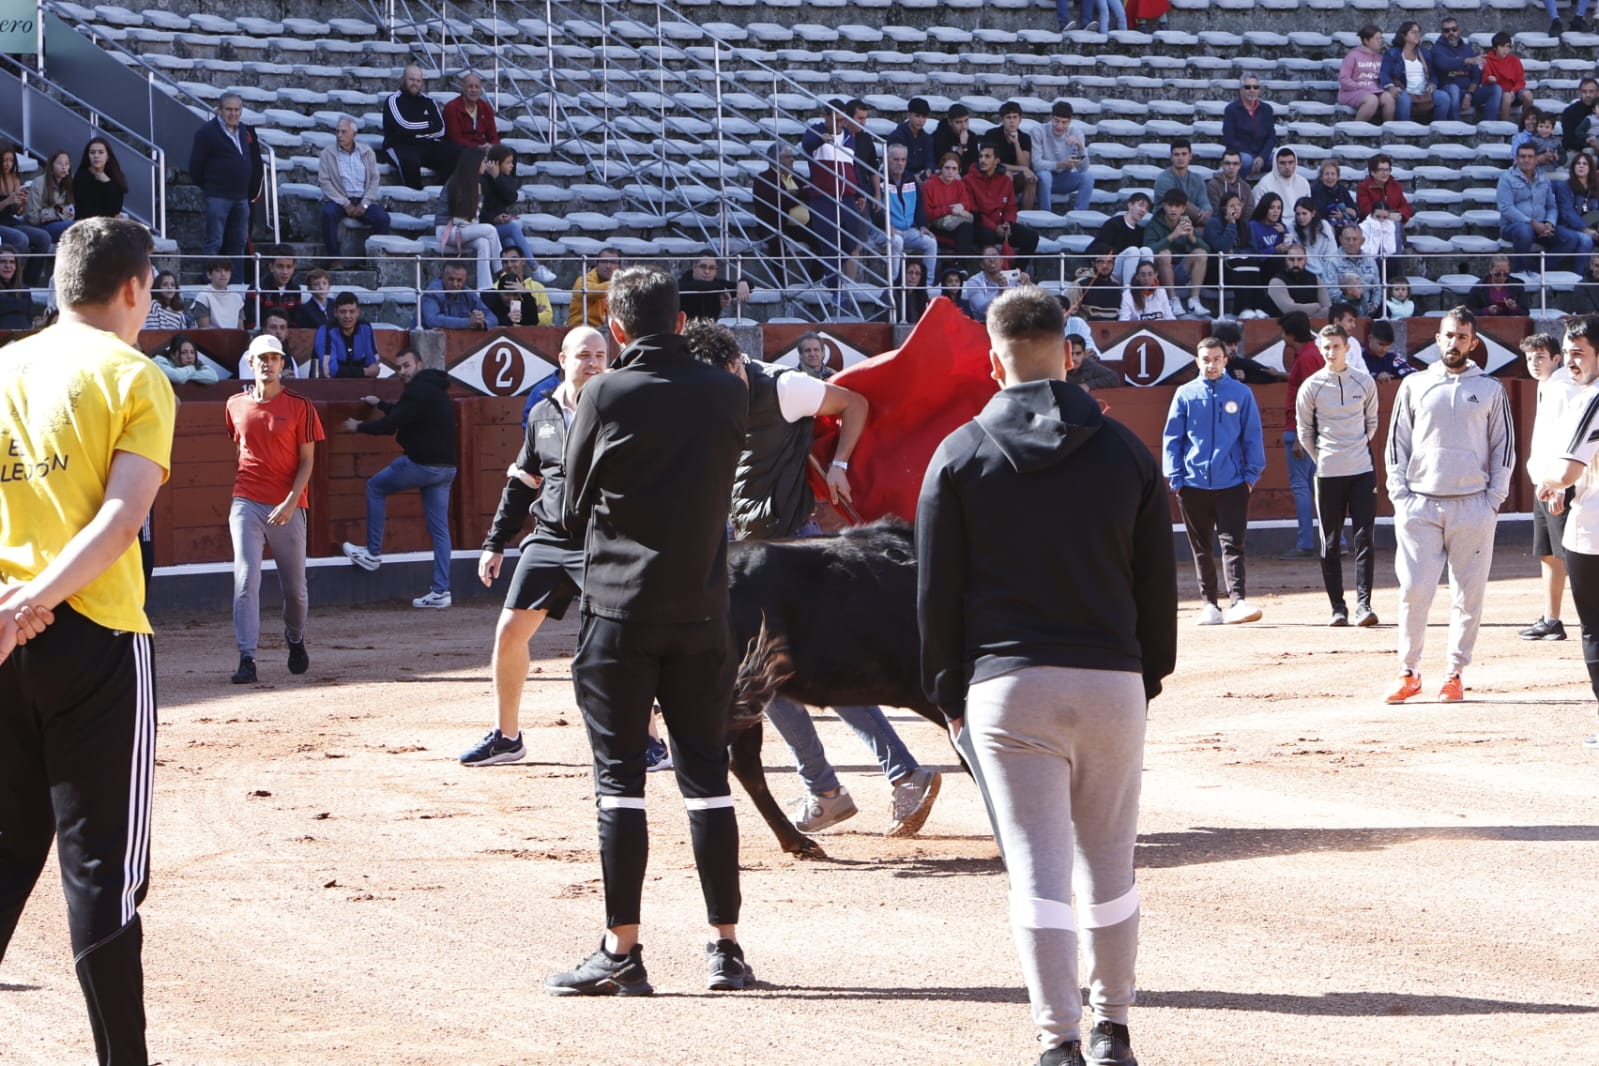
{"x": 650, "y": 457}
{"x": 1047, "y": 603}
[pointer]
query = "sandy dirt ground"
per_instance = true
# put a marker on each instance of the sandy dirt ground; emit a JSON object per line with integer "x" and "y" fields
{"x": 1325, "y": 879}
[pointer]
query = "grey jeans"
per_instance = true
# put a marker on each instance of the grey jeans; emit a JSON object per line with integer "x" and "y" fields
{"x": 247, "y": 522}
{"x": 1059, "y": 757}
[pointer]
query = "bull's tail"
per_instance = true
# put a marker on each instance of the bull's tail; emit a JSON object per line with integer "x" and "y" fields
{"x": 764, "y": 669}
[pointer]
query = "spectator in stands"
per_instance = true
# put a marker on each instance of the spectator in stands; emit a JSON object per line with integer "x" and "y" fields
{"x": 347, "y": 174}
{"x": 217, "y": 306}
{"x": 1145, "y": 299}
{"x": 906, "y": 218}
{"x": 813, "y": 356}
{"x": 15, "y": 196}
{"x": 1574, "y": 136}
{"x": 317, "y": 310}
{"x": 414, "y": 132}
{"x": 1383, "y": 361}
{"x": 868, "y": 162}
{"x": 1125, "y": 236}
{"x": 1268, "y": 231}
{"x": 1382, "y": 207}
{"x": 950, "y": 286}
{"x": 993, "y": 200}
{"x": 1285, "y": 180}
{"x": 1351, "y": 259}
{"x": 455, "y": 218}
{"x": 984, "y": 287}
{"x": 449, "y": 304}
{"x": 1229, "y": 178}
{"x": 225, "y": 161}
{"x": 1180, "y": 254}
{"x": 589, "y": 291}
{"x": 1179, "y": 176}
{"x": 1097, "y": 15}
{"x": 703, "y": 293}
{"x": 1061, "y": 163}
{"x": 1528, "y": 212}
{"x": 469, "y": 118}
{"x": 781, "y": 205}
{"x": 1151, "y": 13}
{"x": 1399, "y": 303}
{"x": 499, "y": 206}
{"x": 1407, "y": 73}
{"x": 1228, "y": 236}
{"x": 1084, "y": 369}
{"x": 1313, "y": 234}
{"x": 1239, "y": 366}
{"x": 1347, "y": 315}
{"x": 921, "y": 161}
{"x": 838, "y": 210}
{"x": 1360, "y": 83}
{"x": 1498, "y": 294}
{"x": 910, "y": 295}
{"x": 348, "y": 348}
{"x": 1584, "y": 299}
{"x": 1249, "y": 127}
{"x": 1538, "y": 130}
{"x": 180, "y": 362}
{"x": 947, "y": 202}
{"x": 279, "y": 290}
{"x": 98, "y": 187}
{"x": 1457, "y": 67}
{"x": 1015, "y": 150}
{"x": 1334, "y": 200}
{"x": 1504, "y": 71}
{"x": 1578, "y": 23}
{"x": 954, "y": 135}
{"x": 1296, "y": 287}
{"x": 515, "y": 267}
{"x": 1100, "y": 299}
{"x": 1307, "y": 360}
{"x": 16, "y": 303}
{"x": 1577, "y": 202}
{"x": 513, "y": 305}
{"x": 50, "y": 196}
{"x": 166, "y": 305}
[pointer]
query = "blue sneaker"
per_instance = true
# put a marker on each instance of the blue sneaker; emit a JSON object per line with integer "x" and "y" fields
{"x": 495, "y": 748}
{"x": 657, "y": 756}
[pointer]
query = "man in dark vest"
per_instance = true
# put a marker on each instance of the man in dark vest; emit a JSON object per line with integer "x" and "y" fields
{"x": 771, "y": 499}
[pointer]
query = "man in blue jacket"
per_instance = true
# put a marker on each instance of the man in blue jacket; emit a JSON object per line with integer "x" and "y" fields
{"x": 1214, "y": 453}
{"x": 225, "y": 163}
{"x": 449, "y": 304}
{"x": 1249, "y": 128}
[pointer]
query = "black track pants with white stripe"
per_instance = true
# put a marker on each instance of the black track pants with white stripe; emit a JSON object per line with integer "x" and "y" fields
{"x": 77, "y": 754}
{"x": 620, "y": 670}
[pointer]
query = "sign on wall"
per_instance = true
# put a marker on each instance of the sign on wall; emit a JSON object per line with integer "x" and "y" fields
{"x": 19, "y": 27}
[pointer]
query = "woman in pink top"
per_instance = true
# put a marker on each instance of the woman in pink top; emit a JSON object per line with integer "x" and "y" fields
{"x": 1505, "y": 72}
{"x": 1360, "y": 81}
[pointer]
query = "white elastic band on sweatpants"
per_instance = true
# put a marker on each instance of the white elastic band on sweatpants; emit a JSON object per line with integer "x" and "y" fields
{"x": 1111, "y": 912}
{"x": 625, "y": 803}
{"x": 707, "y": 803}
{"x": 1027, "y": 912}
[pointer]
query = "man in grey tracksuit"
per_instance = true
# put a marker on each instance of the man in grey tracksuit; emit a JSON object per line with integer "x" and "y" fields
{"x": 1451, "y": 453}
{"x": 1336, "y": 411}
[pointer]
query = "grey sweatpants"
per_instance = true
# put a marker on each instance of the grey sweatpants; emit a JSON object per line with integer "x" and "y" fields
{"x": 1431, "y": 531}
{"x": 247, "y": 522}
{"x": 1059, "y": 756}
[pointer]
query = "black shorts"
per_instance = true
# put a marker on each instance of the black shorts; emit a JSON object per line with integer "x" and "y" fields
{"x": 1548, "y": 529}
{"x": 548, "y": 576}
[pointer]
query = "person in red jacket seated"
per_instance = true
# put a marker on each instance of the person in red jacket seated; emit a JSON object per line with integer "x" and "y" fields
{"x": 1379, "y": 193}
{"x": 469, "y": 118}
{"x": 993, "y": 199}
{"x": 947, "y": 200}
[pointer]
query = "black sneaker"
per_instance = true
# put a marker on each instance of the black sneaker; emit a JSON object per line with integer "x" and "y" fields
{"x": 245, "y": 674}
{"x": 495, "y": 748}
{"x": 299, "y": 660}
{"x": 1109, "y": 1044}
{"x": 1544, "y": 629}
{"x": 604, "y": 974}
{"x": 1555, "y": 28}
{"x": 1579, "y": 24}
{"x": 728, "y": 972}
{"x": 1067, "y": 1054}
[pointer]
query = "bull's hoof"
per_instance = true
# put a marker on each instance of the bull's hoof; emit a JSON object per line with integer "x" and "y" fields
{"x": 804, "y": 848}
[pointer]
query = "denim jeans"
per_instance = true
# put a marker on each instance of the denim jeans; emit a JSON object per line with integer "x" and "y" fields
{"x": 227, "y": 231}
{"x": 914, "y": 242}
{"x": 1521, "y": 238}
{"x": 793, "y": 723}
{"x": 1487, "y": 98}
{"x": 511, "y": 236}
{"x": 1301, "y": 477}
{"x": 1110, "y": 14}
{"x": 333, "y": 214}
{"x": 1074, "y": 189}
{"x": 1402, "y": 106}
{"x": 1453, "y": 95}
{"x": 402, "y": 475}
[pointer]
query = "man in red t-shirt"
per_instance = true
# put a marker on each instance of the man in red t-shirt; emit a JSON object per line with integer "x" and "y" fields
{"x": 276, "y": 432}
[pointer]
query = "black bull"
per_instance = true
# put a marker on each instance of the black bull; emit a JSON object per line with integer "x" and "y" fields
{"x": 827, "y": 622}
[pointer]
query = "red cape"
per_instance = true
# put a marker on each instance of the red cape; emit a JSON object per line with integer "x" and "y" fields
{"x": 919, "y": 394}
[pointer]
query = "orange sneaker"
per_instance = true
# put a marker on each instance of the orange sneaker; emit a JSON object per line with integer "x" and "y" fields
{"x": 1409, "y": 685}
{"x": 1454, "y": 689}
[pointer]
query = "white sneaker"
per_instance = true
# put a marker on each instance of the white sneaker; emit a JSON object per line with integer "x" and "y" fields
{"x": 543, "y": 274}
{"x": 1198, "y": 308}
{"x": 1209, "y": 615}
{"x": 1242, "y": 612}
{"x": 361, "y": 557}
{"x": 435, "y": 600}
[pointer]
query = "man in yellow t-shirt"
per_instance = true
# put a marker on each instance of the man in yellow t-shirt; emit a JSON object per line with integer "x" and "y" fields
{"x": 85, "y": 441}
{"x": 590, "y": 291}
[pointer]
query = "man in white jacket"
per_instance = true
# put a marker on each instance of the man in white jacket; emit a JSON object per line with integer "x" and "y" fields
{"x": 1559, "y": 399}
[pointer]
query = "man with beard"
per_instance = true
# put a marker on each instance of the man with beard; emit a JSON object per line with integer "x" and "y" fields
{"x": 414, "y": 132}
{"x": 1451, "y": 453}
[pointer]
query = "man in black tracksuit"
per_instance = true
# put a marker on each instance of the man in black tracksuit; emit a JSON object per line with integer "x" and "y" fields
{"x": 650, "y": 457}
{"x": 1047, "y": 604}
{"x": 413, "y": 132}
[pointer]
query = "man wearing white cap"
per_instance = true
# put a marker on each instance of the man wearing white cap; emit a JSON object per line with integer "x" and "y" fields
{"x": 276, "y": 432}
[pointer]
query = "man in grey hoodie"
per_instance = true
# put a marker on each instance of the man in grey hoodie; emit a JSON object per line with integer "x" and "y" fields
{"x": 1336, "y": 414}
{"x": 1451, "y": 453}
{"x": 1044, "y": 661}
